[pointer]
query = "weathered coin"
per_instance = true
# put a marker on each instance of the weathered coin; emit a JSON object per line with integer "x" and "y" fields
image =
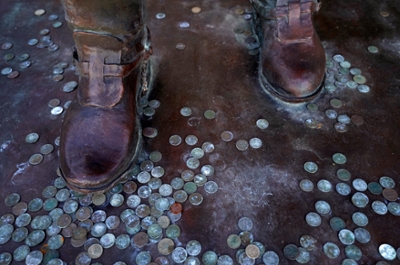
{"x": 196, "y": 10}
{"x": 362, "y": 235}
{"x": 46, "y": 149}
{"x": 32, "y": 138}
{"x": 310, "y": 167}
{"x": 209, "y": 114}
{"x": 360, "y": 219}
{"x": 252, "y": 251}
{"x": 226, "y": 136}
{"x": 390, "y": 194}
{"x": 12, "y": 199}
{"x": 331, "y": 250}
{"x": 95, "y": 251}
{"x": 35, "y": 159}
{"x": 384, "y": 13}
{"x": 394, "y": 208}
{"x": 270, "y": 258}
{"x": 337, "y": 223}
{"x": 387, "y": 182}
{"x": 291, "y": 251}
{"x": 359, "y": 199}
{"x": 64, "y": 220}
{"x": 379, "y": 207}
{"x": 308, "y": 242}
{"x": 19, "y": 208}
{"x": 313, "y": 219}
{"x": 346, "y": 237}
{"x": 387, "y": 252}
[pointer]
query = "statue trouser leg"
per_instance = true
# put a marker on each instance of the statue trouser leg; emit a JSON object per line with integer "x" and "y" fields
{"x": 101, "y": 133}
{"x": 292, "y": 59}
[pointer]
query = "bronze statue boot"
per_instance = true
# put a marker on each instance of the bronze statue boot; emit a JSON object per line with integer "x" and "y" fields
{"x": 292, "y": 59}
{"x": 101, "y": 132}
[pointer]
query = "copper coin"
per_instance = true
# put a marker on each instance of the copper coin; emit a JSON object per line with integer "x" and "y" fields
{"x": 13, "y": 74}
{"x": 141, "y": 239}
{"x": 20, "y": 208}
{"x": 176, "y": 208}
{"x": 78, "y": 243}
{"x": 64, "y": 220}
{"x": 252, "y": 251}
{"x": 67, "y": 231}
{"x": 165, "y": 246}
{"x": 390, "y": 194}
{"x": 130, "y": 187}
{"x": 357, "y": 119}
{"x": 79, "y": 233}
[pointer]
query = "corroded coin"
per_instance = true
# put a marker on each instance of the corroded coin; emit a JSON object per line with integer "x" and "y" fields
{"x": 64, "y": 220}
{"x": 95, "y": 251}
{"x": 308, "y": 242}
{"x": 46, "y": 149}
{"x": 270, "y": 258}
{"x": 20, "y": 208}
{"x": 242, "y": 145}
{"x": 353, "y": 252}
{"x": 310, "y": 167}
{"x": 359, "y": 199}
{"x": 387, "y": 182}
{"x": 35, "y": 159}
{"x": 140, "y": 239}
{"x": 331, "y": 250}
{"x": 387, "y": 252}
{"x": 362, "y": 235}
{"x": 165, "y": 246}
{"x": 291, "y": 251}
{"x": 343, "y": 174}
{"x": 226, "y": 136}
{"x": 12, "y": 199}
{"x": 390, "y": 194}
{"x": 379, "y": 207}
{"x": 346, "y": 237}
{"x": 360, "y": 219}
{"x": 313, "y": 219}
{"x": 98, "y": 199}
{"x": 209, "y": 114}
{"x": 337, "y": 223}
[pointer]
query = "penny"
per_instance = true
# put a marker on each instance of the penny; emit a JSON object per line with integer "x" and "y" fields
{"x": 13, "y": 74}
{"x": 390, "y": 194}
{"x": 20, "y": 208}
{"x": 357, "y": 119}
{"x": 64, "y": 220}
{"x": 140, "y": 240}
{"x": 239, "y": 11}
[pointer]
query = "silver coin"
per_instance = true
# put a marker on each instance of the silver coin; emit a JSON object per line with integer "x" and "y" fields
{"x": 313, "y": 219}
{"x": 160, "y": 15}
{"x": 306, "y": 185}
{"x": 359, "y": 219}
{"x": 322, "y": 207}
{"x": 175, "y": 140}
{"x": 70, "y": 86}
{"x": 331, "y": 250}
{"x": 35, "y": 159}
{"x": 360, "y": 185}
{"x": 379, "y": 207}
{"x": 324, "y": 185}
{"x": 387, "y": 252}
{"x": 46, "y": 149}
{"x": 262, "y": 124}
{"x": 343, "y": 189}
{"x": 359, "y": 199}
{"x": 56, "y": 110}
{"x": 346, "y": 237}
{"x": 255, "y": 143}
{"x": 242, "y": 145}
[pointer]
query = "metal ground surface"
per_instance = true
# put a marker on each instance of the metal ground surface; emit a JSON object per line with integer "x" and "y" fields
{"x": 216, "y": 72}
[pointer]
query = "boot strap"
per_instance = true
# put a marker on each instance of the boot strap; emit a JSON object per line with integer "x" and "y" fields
{"x": 101, "y": 70}
{"x": 293, "y": 18}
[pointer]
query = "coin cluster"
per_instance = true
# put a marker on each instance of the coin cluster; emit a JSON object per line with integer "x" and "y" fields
{"x": 360, "y": 200}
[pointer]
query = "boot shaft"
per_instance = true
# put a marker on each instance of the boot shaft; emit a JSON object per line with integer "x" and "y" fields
{"x": 123, "y": 19}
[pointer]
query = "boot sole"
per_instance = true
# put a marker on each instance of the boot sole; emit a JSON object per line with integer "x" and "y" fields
{"x": 120, "y": 177}
{"x": 272, "y": 92}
